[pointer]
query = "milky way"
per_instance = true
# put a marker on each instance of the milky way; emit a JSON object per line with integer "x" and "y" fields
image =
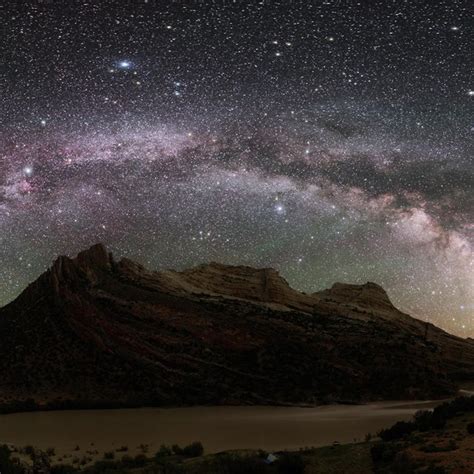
{"x": 331, "y": 140}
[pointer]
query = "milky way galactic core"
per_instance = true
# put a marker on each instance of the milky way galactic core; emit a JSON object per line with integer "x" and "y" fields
{"x": 331, "y": 140}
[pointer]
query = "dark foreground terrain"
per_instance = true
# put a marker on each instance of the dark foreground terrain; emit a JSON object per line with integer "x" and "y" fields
{"x": 440, "y": 441}
{"x": 96, "y": 332}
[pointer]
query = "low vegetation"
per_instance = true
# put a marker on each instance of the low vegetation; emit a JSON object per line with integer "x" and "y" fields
{"x": 433, "y": 442}
{"x": 7, "y": 466}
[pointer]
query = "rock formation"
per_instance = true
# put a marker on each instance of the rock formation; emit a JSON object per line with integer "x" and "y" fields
{"x": 93, "y": 331}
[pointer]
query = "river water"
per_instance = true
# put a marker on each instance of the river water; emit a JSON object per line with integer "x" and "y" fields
{"x": 218, "y": 428}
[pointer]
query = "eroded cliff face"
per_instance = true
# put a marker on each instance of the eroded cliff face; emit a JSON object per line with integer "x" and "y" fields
{"x": 92, "y": 330}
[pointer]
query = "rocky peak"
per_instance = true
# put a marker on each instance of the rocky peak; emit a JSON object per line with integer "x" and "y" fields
{"x": 366, "y": 295}
{"x": 95, "y": 257}
{"x": 86, "y": 268}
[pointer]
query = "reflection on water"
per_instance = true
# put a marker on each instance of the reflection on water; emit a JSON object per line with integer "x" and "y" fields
{"x": 218, "y": 428}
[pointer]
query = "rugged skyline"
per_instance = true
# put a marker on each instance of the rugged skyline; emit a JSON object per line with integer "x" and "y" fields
{"x": 332, "y": 141}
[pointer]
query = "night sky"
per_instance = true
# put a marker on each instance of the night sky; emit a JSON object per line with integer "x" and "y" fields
{"x": 331, "y": 140}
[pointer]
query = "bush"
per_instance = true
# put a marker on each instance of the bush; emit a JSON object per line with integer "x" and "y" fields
{"x": 50, "y": 452}
{"x": 193, "y": 450}
{"x": 84, "y": 461}
{"x": 122, "y": 449}
{"x": 109, "y": 455}
{"x": 167, "y": 467}
{"x": 235, "y": 464}
{"x": 164, "y": 451}
{"x": 383, "y": 453}
{"x": 6, "y": 464}
{"x": 103, "y": 467}
{"x": 176, "y": 449}
{"x": 140, "y": 460}
{"x": 29, "y": 450}
{"x": 63, "y": 469}
{"x": 143, "y": 448}
{"x": 290, "y": 463}
{"x": 422, "y": 420}
{"x": 397, "y": 431}
{"x": 127, "y": 460}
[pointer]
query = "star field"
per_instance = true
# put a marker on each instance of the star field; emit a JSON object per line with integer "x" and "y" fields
{"x": 331, "y": 140}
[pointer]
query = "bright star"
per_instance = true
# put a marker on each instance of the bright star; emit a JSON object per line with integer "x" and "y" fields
{"x": 28, "y": 170}
{"x": 125, "y": 64}
{"x": 280, "y": 209}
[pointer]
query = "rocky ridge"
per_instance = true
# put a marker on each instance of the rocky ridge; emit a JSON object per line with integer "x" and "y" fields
{"x": 93, "y": 331}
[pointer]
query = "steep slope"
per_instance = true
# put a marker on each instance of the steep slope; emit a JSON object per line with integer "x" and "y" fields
{"x": 371, "y": 302}
{"x": 94, "y": 331}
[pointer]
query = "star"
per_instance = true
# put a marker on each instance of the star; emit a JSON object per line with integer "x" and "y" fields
{"x": 280, "y": 209}
{"x": 124, "y": 64}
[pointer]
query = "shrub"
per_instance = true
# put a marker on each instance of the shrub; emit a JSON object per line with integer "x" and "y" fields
{"x": 235, "y": 464}
{"x": 167, "y": 467}
{"x": 143, "y": 448}
{"x": 122, "y": 449}
{"x": 6, "y": 464}
{"x": 383, "y": 453}
{"x": 397, "y": 431}
{"x": 176, "y": 449}
{"x": 84, "y": 461}
{"x": 29, "y": 450}
{"x": 127, "y": 460}
{"x": 63, "y": 469}
{"x": 109, "y": 455}
{"x": 290, "y": 463}
{"x": 140, "y": 460}
{"x": 422, "y": 419}
{"x": 104, "y": 467}
{"x": 50, "y": 451}
{"x": 164, "y": 451}
{"x": 193, "y": 450}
